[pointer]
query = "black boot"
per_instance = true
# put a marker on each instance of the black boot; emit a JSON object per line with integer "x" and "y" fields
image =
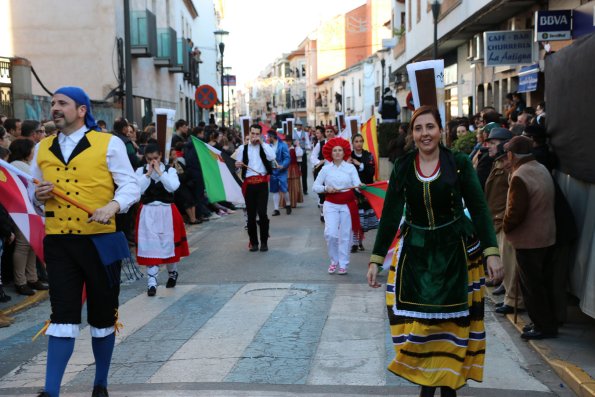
{"x": 264, "y": 234}
{"x": 427, "y": 391}
{"x": 253, "y": 234}
{"x": 447, "y": 392}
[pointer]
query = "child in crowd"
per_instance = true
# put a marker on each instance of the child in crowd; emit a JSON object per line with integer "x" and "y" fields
{"x": 160, "y": 233}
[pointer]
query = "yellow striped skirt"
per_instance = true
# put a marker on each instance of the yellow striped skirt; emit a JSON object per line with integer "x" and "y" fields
{"x": 440, "y": 352}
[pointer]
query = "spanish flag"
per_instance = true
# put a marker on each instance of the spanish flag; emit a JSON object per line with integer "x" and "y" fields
{"x": 371, "y": 141}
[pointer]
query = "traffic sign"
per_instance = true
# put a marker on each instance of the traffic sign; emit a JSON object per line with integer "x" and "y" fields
{"x": 205, "y": 96}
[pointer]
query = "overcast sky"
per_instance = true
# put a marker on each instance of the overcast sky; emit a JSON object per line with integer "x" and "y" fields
{"x": 262, "y": 30}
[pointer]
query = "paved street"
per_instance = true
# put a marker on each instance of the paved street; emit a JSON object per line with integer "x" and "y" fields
{"x": 258, "y": 324}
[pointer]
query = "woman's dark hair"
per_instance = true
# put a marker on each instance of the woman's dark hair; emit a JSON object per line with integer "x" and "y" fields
{"x": 452, "y": 132}
{"x": 20, "y": 149}
{"x": 144, "y": 137}
{"x": 152, "y": 148}
{"x": 357, "y": 136}
{"x": 426, "y": 110}
{"x": 2, "y": 132}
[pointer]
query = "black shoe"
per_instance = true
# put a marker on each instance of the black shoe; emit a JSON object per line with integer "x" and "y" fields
{"x": 38, "y": 285}
{"x": 264, "y": 247}
{"x": 361, "y": 247}
{"x": 24, "y": 290}
{"x": 499, "y": 304}
{"x": 3, "y": 296}
{"x": 322, "y": 218}
{"x": 276, "y": 213}
{"x": 500, "y": 290}
{"x": 528, "y": 327}
{"x": 99, "y": 391}
{"x": 353, "y": 248}
{"x": 172, "y": 280}
{"x": 253, "y": 247}
{"x": 288, "y": 209}
{"x": 43, "y": 394}
{"x": 305, "y": 193}
{"x": 505, "y": 309}
{"x": 535, "y": 334}
{"x": 152, "y": 291}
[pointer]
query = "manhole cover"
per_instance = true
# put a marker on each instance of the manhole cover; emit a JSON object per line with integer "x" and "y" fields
{"x": 276, "y": 292}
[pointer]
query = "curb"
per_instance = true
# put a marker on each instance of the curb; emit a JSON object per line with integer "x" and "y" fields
{"x": 26, "y": 303}
{"x": 575, "y": 377}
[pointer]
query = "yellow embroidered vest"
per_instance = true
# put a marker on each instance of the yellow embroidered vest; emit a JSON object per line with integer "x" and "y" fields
{"x": 85, "y": 178}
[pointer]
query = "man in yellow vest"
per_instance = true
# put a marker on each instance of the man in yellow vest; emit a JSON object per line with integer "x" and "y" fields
{"x": 92, "y": 168}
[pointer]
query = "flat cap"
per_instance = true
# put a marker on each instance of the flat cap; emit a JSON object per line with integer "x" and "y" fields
{"x": 519, "y": 145}
{"x": 500, "y": 133}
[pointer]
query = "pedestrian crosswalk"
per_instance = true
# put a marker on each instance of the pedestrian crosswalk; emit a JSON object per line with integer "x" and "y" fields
{"x": 259, "y": 333}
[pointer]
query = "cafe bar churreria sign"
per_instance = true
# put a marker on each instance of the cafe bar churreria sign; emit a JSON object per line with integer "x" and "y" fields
{"x": 508, "y": 47}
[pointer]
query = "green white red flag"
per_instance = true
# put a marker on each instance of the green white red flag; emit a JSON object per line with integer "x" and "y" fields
{"x": 219, "y": 182}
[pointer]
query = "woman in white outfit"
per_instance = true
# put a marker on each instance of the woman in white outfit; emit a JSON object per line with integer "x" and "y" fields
{"x": 337, "y": 180}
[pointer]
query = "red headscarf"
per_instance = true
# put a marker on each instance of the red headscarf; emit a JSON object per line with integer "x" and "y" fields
{"x": 327, "y": 149}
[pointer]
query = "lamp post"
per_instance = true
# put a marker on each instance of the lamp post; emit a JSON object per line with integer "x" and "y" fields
{"x": 436, "y": 13}
{"x": 219, "y": 34}
{"x": 227, "y": 70}
{"x": 382, "y": 64}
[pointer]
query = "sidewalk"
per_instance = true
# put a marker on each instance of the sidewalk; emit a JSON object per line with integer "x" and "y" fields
{"x": 20, "y": 302}
{"x": 571, "y": 354}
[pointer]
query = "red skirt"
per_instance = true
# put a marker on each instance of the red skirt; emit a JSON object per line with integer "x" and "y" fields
{"x": 180, "y": 241}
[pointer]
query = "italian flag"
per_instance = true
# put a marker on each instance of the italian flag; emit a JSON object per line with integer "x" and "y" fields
{"x": 375, "y": 193}
{"x": 219, "y": 182}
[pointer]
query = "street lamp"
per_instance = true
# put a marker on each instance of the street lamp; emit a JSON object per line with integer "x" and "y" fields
{"x": 219, "y": 34}
{"x": 435, "y": 13}
{"x": 227, "y": 70}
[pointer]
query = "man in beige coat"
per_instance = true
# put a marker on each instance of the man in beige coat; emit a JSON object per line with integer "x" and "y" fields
{"x": 529, "y": 225}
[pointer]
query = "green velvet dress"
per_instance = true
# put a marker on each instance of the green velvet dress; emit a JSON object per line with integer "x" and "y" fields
{"x": 436, "y": 279}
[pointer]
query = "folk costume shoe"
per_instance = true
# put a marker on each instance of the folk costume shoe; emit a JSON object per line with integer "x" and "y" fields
{"x": 253, "y": 247}
{"x": 276, "y": 213}
{"x": 152, "y": 291}
{"x": 288, "y": 209}
{"x": 353, "y": 249}
{"x": 506, "y": 309}
{"x": 264, "y": 247}
{"x": 172, "y": 280}
{"x": 536, "y": 334}
{"x": 99, "y": 391}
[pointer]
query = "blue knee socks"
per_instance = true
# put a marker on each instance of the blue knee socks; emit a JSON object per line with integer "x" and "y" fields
{"x": 59, "y": 352}
{"x": 102, "y": 350}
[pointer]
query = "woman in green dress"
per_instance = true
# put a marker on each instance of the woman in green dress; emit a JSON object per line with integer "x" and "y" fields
{"x": 436, "y": 280}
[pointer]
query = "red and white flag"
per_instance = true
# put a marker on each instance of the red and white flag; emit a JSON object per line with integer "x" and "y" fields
{"x": 14, "y": 197}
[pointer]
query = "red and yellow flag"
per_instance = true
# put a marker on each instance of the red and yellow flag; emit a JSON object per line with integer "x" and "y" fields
{"x": 371, "y": 141}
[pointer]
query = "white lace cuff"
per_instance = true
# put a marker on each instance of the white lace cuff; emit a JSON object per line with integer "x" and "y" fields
{"x": 101, "y": 332}
{"x": 63, "y": 330}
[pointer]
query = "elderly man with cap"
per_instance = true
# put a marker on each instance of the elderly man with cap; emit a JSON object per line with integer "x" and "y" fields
{"x": 279, "y": 176}
{"x": 530, "y": 226}
{"x": 304, "y": 141}
{"x": 496, "y": 191}
{"x": 80, "y": 249}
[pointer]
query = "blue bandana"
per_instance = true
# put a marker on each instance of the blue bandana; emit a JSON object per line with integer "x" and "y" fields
{"x": 81, "y": 98}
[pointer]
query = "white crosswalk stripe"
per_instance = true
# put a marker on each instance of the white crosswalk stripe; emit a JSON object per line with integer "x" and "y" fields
{"x": 351, "y": 349}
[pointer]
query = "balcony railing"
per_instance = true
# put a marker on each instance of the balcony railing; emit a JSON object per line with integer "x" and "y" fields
{"x": 167, "y": 47}
{"x": 143, "y": 33}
